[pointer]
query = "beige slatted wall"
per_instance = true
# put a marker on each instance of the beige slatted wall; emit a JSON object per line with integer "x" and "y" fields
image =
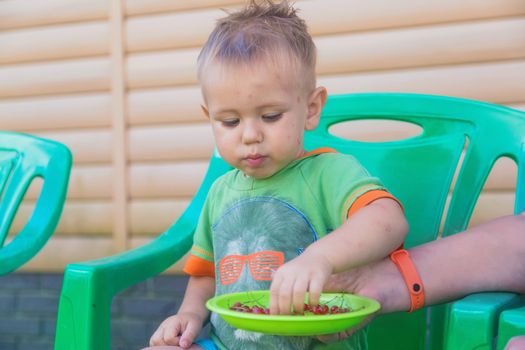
{"x": 115, "y": 81}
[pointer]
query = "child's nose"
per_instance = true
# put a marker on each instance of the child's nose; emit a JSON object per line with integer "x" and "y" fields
{"x": 251, "y": 133}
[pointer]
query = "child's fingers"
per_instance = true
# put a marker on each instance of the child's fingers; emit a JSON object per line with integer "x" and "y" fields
{"x": 156, "y": 338}
{"x": 172, "y": 333}
{"x": 314, "y": 291}
{"x": 274, "y": 294}
{"x": 167, "y": 333}
{"x": 299, "y": 290}
{"x": 189, "y": 334}
{"x": 280, "y": 294}
{"x": 277, "y": 288}
{"x": 285, "y": 297}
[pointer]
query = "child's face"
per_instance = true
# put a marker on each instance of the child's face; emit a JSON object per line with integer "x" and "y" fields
{"x": 259, "y": 114}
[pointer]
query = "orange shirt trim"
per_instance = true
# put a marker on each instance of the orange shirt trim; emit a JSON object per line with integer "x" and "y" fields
{"x": 367, "y": 198}
{"x": 196, "y": 266}
{"x": 319, "y": 151}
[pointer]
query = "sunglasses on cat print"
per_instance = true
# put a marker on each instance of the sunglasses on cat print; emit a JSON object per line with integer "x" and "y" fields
{"x": 262, "y": 265}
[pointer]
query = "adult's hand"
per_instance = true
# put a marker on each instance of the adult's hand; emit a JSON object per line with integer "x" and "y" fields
{"x": 516, "y": 343}
{"x": 380, "y": 281}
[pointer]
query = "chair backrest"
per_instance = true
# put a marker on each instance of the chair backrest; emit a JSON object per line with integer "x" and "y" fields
{"x": 426, "y": 163}
{"x": 420, "y": 170}
{"x": 22, "y": 159}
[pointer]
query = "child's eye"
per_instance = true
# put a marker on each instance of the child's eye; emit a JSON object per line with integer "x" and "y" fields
{"x": 230, "y": 123}
{"x": 272, "y": 117}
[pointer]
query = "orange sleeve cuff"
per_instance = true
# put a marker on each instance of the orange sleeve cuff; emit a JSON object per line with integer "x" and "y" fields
{"x": 367, "y": 198}
{"x": 196, "y": 266}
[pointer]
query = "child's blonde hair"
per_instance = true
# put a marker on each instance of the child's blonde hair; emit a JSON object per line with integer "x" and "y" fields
{"x": 262, "y": 30}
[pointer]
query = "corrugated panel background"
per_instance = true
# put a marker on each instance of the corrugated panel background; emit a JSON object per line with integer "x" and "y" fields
{"x": 115, "y": 81}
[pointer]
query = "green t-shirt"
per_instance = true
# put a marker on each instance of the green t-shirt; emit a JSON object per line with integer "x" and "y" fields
{"x": 250, "y": 226}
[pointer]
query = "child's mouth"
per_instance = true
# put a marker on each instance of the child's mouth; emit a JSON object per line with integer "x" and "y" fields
{"x": 255, "y": 161}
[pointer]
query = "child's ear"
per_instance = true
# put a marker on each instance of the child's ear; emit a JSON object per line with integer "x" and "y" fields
{"x": 205, "y": 111}
{"x": 316, "y": 102}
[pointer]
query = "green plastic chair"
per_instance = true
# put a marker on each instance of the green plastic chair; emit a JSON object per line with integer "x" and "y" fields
{"x": 511, "y": 324}
{"x": 473, "y": 321}
{"x": 418, "y": 170}
{"x": 22, "y": 159}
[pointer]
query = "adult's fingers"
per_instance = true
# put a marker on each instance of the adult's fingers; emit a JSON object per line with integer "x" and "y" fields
{"x": 516, "y": 343}
{"x": 331, "y": 338}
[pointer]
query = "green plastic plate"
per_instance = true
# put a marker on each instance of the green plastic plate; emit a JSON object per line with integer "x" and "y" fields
{"x": 293, "y": 325}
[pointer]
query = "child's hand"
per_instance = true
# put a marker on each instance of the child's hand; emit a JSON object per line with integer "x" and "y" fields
{"x": 179, "y": 330}
{"x": 308, "y": 272}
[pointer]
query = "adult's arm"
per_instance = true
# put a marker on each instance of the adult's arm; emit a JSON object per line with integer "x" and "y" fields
{"x": 488, "y": 257}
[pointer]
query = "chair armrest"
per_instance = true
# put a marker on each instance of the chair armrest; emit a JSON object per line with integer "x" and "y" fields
{"x": 472, "y": 322}
{"x": 131, "y": 267}
{"x": 511, "y": 323}
{"x": 83, "y": 321}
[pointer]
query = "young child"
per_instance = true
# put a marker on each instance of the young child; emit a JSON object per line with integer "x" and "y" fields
{"x": 283, "y": 219}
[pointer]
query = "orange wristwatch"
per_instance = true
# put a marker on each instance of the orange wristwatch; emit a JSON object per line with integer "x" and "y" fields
{"x": 407, "y": 269}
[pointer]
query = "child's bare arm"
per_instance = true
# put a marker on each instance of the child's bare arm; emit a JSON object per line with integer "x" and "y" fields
{"x": 368, "y": 235}
{"x": 182, "y": 328}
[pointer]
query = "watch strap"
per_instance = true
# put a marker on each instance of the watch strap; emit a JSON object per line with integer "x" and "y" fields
{"x": 408, "y": 271}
